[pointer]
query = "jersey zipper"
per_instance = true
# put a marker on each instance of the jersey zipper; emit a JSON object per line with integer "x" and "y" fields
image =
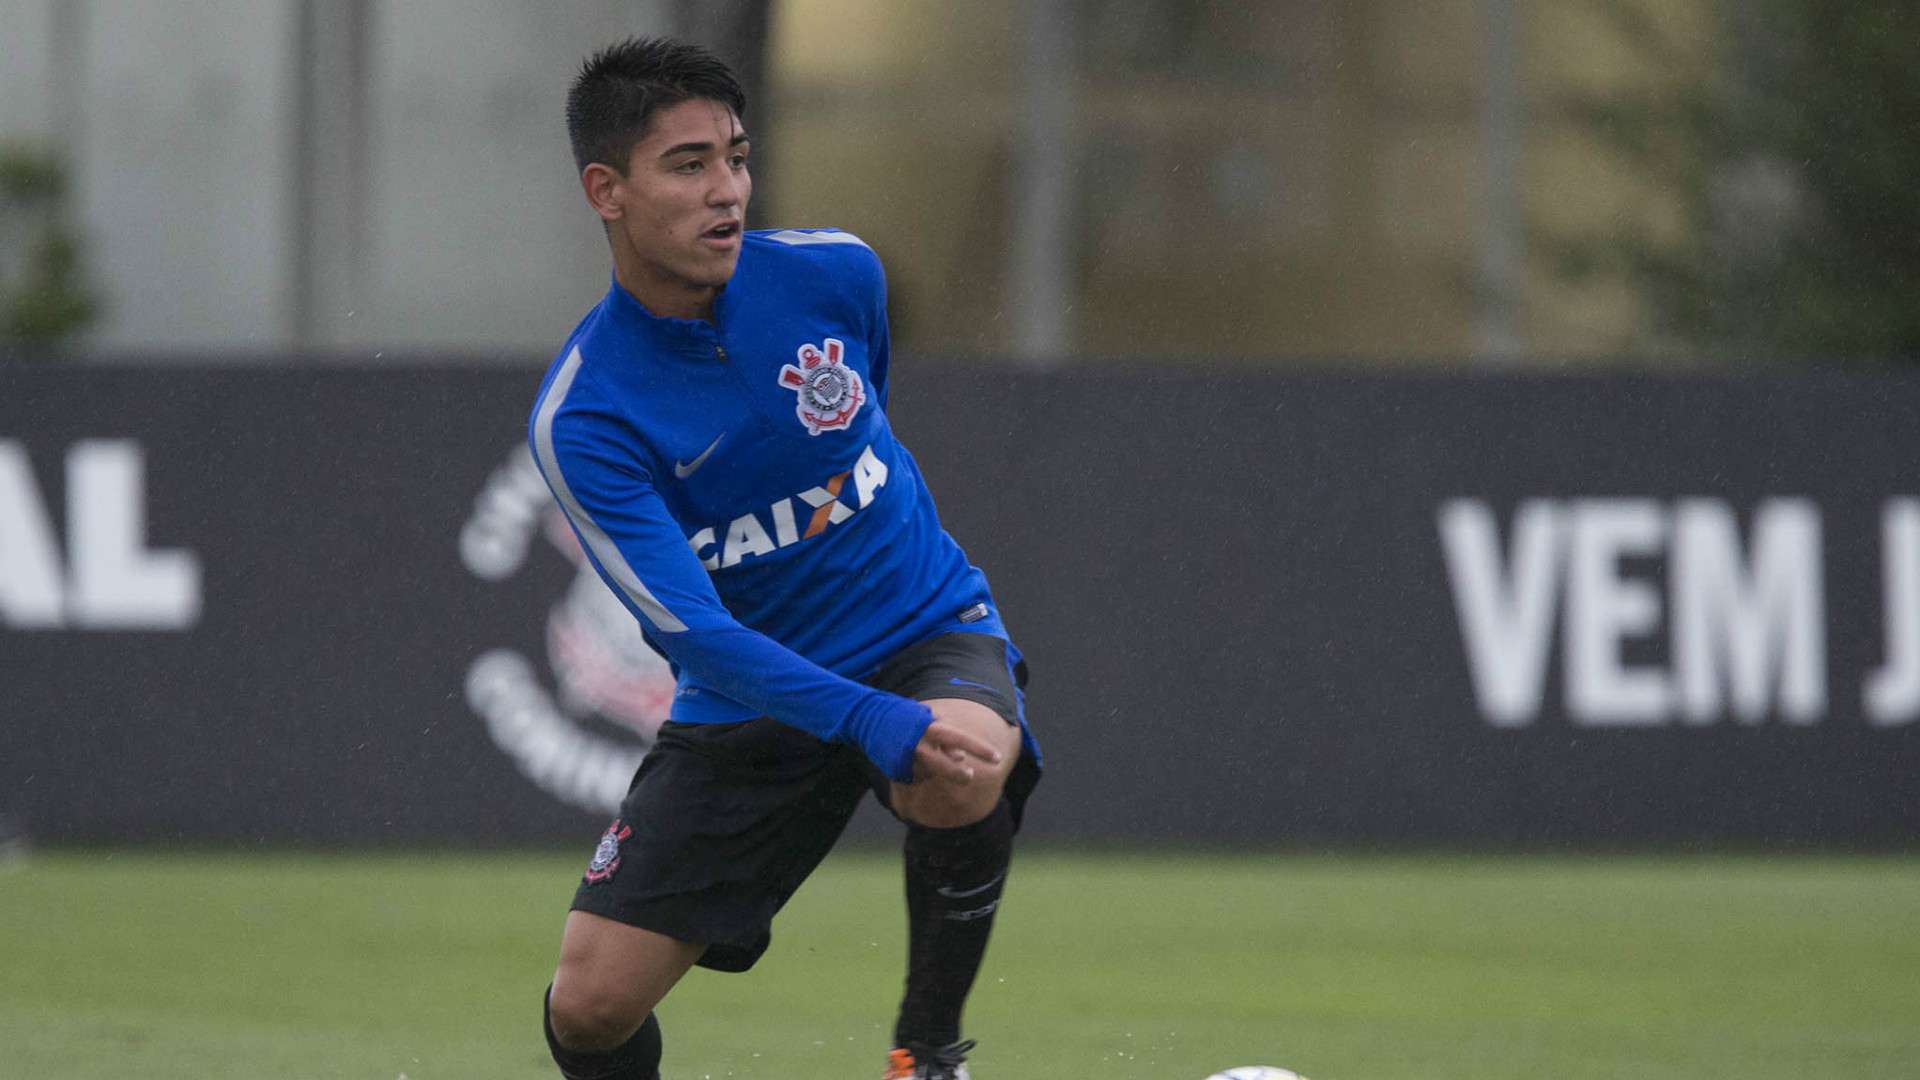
{"x": 761, "y": 420}
{"x": 719, "y": 348}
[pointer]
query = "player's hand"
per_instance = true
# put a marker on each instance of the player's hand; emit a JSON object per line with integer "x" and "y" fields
{"x": 949, "y": 752}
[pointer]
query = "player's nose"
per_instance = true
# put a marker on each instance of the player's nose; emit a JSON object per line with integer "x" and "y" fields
{"x": 729, "y": 189}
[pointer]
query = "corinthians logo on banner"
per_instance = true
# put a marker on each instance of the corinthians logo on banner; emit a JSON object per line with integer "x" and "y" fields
{"x": 578, "y": 723}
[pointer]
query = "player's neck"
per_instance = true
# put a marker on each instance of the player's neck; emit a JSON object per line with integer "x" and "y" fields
{"x": 664, "y": 297}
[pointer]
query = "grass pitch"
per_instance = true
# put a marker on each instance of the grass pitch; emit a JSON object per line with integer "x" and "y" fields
{"x": 430, "y": 966}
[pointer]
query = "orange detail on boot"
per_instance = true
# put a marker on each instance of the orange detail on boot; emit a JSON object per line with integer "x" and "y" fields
{"x": 899, "y": 1064}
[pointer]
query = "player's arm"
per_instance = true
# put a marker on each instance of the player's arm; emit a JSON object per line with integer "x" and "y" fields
{"x": 638, "y": 550}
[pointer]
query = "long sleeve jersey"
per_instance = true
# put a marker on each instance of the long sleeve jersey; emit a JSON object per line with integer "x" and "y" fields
{"x": 738, "y": 487}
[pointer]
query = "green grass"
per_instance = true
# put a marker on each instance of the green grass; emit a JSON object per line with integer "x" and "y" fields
{"x": 1366, "y": 968}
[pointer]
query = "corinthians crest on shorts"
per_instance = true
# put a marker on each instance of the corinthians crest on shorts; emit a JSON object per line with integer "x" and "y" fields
{"x": 606, "y": 857}
{"x": 830, "y": 392}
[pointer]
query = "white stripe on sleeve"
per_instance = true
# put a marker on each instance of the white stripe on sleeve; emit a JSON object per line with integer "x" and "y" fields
{"x": 597, "y": 539}
{"x": 825, "y": 236}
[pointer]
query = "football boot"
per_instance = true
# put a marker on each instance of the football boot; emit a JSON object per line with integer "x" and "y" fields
{"x": 929, "y": 1062}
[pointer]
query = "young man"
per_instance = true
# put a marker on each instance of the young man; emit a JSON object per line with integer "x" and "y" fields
{"x": 716, "y": 431}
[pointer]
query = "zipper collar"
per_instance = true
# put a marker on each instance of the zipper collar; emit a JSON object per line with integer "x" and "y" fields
{"x": 695, "y": 338}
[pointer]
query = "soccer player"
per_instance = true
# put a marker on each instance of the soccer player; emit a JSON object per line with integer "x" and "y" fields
{"x": 716, "y": 432}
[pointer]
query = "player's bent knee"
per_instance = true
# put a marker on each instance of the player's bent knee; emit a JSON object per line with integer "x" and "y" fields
{"x": 949, "y": 816}
{"x": 947, "y": 806}
{"x": 943, "y": 804}
{"x": 584, "y": 1020}
{"x": 610, "y": 977}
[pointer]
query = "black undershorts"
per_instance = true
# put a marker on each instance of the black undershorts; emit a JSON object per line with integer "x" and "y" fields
{"x": 724, "y": 821}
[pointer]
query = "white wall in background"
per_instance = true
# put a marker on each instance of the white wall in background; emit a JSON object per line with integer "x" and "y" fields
{"x": 25, "y": 28}
{"x": 476, "y": 237}
{"x": 181, "y": 168}
{"x": 480, "y": 236}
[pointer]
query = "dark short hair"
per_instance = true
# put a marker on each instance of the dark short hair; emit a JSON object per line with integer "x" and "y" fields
{"x": 619, "y": 88}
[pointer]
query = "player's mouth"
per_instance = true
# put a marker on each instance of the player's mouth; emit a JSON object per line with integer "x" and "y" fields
{"x": 724, "y": 236}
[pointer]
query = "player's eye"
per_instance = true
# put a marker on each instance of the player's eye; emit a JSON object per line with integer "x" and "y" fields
{"x": 738, "y": 161}
{"x": 690, "y": 166}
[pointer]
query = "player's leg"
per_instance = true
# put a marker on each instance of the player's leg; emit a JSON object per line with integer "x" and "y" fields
{"x": 959, "y": 841}
{"x": 721, "y": 825}
{"x": 959, "y": 846}
{"x": 600, "y": 1023}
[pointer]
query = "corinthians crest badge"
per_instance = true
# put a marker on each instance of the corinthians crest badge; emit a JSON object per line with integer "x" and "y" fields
{"x": 606, "y": 857}
{"x": 830, "y": 392}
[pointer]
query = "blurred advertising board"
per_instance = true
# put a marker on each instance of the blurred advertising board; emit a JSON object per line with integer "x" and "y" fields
{"x": 332, "y": 604}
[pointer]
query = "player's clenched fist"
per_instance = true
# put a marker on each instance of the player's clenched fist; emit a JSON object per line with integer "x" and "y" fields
{"x": 948, "y": 752}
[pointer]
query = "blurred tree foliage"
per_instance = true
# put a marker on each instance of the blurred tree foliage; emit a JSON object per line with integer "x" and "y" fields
{"x": 1796, "y": 165}
{"x": 44, "y": 295}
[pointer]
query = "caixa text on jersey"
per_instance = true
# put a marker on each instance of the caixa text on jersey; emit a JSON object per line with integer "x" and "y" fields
{"x": 824, "y": 505}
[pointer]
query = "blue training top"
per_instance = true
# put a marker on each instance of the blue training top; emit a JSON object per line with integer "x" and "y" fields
{"x": 737, "y": 485}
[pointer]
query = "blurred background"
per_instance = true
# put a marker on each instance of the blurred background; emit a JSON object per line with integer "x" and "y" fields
{"x": 1553, "y": 183}
{"x": 1450, "y": 466}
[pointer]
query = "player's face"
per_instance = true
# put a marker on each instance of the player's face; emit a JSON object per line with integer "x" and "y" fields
{"x": 681, "y": 208}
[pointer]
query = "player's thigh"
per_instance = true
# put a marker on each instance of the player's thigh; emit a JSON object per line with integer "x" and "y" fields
{"x": 945, "y": 804}
{"x": 610, "y": 977}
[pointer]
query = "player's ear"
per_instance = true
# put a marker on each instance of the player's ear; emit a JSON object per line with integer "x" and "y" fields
{"x": 605, "y": 188}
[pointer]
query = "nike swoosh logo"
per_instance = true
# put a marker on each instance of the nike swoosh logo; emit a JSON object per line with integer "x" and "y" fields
{"x": 686, "y": 470}
{"x": 957, "y": 894}
{"x": 958, "y": 681}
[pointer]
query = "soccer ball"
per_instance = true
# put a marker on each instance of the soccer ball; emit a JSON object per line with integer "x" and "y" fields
{"x": 1257, "y": 1072}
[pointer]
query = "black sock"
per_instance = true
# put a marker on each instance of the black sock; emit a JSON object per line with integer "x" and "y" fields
{"x": 636, "y": 1059}
{"x": 954, "y": 878}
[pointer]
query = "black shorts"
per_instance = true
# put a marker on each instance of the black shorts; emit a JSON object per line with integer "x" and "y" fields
{"x": 724, "y": 821}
